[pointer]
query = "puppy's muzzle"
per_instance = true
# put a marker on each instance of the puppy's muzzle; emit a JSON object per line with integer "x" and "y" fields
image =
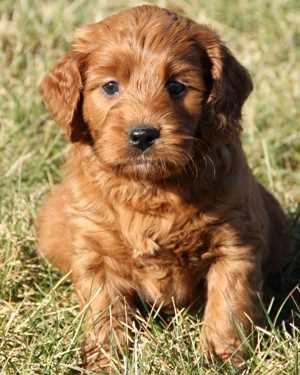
{"x": 142, "y": 137}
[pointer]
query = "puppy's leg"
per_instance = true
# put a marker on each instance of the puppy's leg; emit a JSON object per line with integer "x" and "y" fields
{"x": 108, "y": 310}
{"x": 53, "y": 232}
{"x": 233, "y": 285}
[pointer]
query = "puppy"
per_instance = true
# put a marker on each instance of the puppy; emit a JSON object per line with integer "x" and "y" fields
{"x": 157, "y": 200}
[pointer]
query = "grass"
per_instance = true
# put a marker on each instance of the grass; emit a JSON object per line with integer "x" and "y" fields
{"x": 40, "y": 323}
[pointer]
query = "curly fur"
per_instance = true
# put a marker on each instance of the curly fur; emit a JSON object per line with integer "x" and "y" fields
{"x": 185, "y": 220}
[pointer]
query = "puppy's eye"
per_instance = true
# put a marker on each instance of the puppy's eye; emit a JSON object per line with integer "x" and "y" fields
{"x": 111, "y": 88}
{"x": 175, "y": 88}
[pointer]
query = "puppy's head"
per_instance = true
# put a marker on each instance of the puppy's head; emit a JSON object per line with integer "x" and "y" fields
{"x": 150, "y": 91}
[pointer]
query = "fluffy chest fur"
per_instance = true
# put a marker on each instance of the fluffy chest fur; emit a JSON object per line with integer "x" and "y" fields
{"x": 170, "y": 256}
{"x": 163, "y": 251}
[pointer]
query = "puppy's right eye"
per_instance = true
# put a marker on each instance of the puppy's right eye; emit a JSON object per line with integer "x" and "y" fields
{"x": 111, "y": 88}
{"x": 175, "y": 88}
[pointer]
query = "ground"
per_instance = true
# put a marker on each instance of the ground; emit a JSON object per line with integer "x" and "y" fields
{"x": 40, "y": 323}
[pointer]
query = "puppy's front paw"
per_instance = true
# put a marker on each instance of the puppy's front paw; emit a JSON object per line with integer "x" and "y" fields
{"x": 94, "y": 357}
{"x": 227, "y": 349}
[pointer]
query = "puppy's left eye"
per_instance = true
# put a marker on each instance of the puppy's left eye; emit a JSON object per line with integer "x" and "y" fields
{"x": 175, "y": 88}
{"x": 111, "y": 88}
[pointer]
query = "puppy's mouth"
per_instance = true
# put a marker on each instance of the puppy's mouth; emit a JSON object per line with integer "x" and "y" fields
{"x": 145, "y": 168}
{"x": 145, "y": 162}
{"x": 141, "y": 163}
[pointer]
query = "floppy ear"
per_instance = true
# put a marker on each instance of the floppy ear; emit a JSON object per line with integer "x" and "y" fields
{"x": 61, "y": 91}
{"x": 231, "y": 83}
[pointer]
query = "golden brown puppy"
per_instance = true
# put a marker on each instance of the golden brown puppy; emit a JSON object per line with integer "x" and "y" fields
{"x": 157, "y": 198}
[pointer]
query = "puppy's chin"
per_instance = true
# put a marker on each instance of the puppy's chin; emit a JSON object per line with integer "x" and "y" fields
{"x": 148, "y": 169}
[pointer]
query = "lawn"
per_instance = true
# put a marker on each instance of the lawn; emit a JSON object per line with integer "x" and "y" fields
{"x": 40, "y": 323}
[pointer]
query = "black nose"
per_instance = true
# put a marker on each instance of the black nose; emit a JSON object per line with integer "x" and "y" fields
{"x": 143, "y": 137}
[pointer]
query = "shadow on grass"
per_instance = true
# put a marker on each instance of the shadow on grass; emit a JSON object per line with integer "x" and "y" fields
{"x": 283, "y": 289}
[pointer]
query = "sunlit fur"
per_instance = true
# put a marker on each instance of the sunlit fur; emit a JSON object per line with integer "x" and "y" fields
{"x": 183, "y": 222}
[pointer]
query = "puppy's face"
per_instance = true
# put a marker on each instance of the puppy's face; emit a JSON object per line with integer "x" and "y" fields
{"x": 143, "y": 96}
{"x": 141, "y": 82}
